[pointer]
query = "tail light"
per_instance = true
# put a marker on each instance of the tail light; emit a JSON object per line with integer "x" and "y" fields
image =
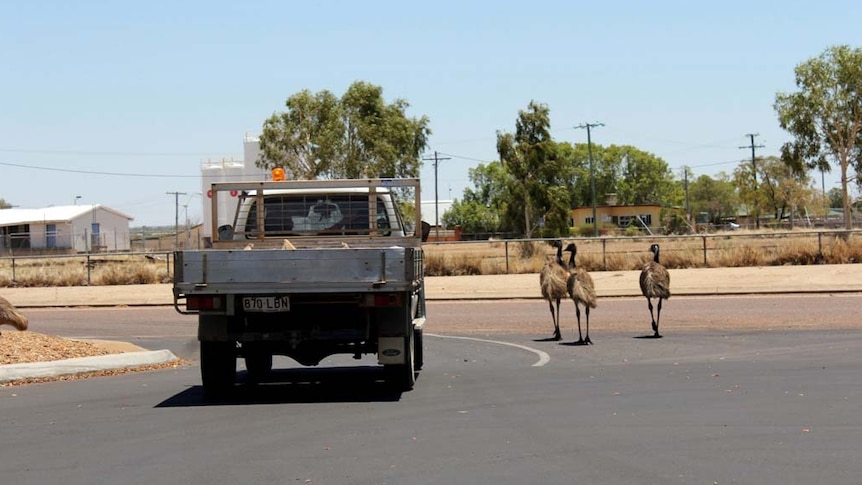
{"x": 382, "y": 300}
{"x": 204, "y": 302}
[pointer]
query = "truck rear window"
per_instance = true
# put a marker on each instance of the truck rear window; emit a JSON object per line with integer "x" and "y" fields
{"x": 315, "y": 214}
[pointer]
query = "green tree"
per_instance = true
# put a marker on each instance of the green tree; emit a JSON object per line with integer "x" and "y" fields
{"x": 645, "y": 178}
{"x": 714, "y": 196}
{"x": 825, "y": 116}
{"x": 780, "y": 191}
{"x": 836, "y": 198}
{"x": 482, "y": 209}
{"x": 4, "y": 204}
{"x": 529, "y": 157}
{"x": 358, "y": 135}
{"x": 634, "y": 176}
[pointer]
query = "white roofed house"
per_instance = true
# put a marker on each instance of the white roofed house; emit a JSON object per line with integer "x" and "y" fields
{"x": 63, "y": 229}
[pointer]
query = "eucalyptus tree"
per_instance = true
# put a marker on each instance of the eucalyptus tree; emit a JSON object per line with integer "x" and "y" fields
{"x": 825, "y": 116}
{"x": 538, "y": 179}
{"x": 780, "y": 191}
{"x": 358, "y": 135}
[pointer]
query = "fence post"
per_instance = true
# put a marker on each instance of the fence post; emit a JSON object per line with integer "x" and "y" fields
{"x": 14, "y": 281}
{"x": 506, "y": 246}
{"x": 704, "y": 252}
{"x": 820, "y": 243}
{"x": 89, "y": 266}
{"x": 604, "y": 254}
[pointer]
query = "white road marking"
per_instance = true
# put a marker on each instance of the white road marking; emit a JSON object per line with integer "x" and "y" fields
{"x": 544, "y": 358}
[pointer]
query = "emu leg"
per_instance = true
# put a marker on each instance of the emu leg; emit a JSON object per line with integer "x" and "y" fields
{"x": 557, "y": 335}
{"x": 658, "y": 317}
{"x": 578, "y": 313}
{"x": 587, "y": 340}
{"x": 652, "y": 316}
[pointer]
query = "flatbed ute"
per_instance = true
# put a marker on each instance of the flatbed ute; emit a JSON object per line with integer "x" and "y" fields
{"x": 327, "y": 267}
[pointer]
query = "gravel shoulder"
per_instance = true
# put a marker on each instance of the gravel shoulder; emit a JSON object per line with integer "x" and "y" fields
{"x": 23, "y": 347}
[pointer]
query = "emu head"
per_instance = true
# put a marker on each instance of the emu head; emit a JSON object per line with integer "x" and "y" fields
{"x": 654, "y": 249}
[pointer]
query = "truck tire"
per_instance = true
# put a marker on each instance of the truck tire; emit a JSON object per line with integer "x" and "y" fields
{"x": 403, "y": 376}
{"x": 258, "y": 365}
{"x": 418, "y": 353}
{"x": 218, "y": 367}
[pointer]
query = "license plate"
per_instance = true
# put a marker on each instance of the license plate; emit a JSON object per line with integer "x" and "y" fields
{"x": 266, "y": 304}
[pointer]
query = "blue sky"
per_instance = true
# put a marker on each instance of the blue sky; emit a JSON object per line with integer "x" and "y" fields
{"x": 148, "y": 90}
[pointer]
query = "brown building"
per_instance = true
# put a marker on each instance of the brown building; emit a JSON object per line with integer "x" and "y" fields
{"x": 620, "y": 216}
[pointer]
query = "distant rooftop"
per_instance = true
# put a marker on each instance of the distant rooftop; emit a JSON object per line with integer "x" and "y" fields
{"x": 62, "y": 213}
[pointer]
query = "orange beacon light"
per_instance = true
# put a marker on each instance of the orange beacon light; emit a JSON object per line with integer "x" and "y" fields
{"x": 278, "y": 174}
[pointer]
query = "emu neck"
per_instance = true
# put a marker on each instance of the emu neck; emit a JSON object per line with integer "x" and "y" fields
{"x": 655, "y": 257}
{"x": 572, "y": 260}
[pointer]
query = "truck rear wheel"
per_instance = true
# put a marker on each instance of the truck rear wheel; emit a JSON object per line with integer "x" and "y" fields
{"x": 403, "y": 376}
{"x": 218, "y": 367}
{"x": 418, "y": 352}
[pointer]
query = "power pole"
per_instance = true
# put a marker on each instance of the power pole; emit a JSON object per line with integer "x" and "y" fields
{"x": 588, "y": 126}
{"x": 176, "y": 217}
{"x": 437, "y": 159}
{"x": 687, "y": 205}
{"x": 754, "y": 170}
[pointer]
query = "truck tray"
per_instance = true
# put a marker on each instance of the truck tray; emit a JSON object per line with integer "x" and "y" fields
{"x": 321, "y": 270}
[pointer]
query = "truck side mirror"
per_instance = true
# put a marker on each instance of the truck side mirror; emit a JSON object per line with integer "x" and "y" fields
{"x": 426, "y": 231}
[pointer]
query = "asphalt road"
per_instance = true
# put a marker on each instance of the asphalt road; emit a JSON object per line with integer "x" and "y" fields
{"x": 740, "y": 390}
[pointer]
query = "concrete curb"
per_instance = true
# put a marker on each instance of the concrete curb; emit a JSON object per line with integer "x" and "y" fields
{"x": 57, "y": 368}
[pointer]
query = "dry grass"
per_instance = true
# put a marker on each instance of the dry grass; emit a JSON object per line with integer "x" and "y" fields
{"x": 80, "y": 271}
{"x": 738, "y": 249}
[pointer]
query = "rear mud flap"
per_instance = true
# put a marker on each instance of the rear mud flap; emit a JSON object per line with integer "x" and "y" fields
{"x": 390, "y": 350}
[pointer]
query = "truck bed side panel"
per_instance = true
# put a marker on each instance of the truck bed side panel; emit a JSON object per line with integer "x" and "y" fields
{"x": 285, "y": 271}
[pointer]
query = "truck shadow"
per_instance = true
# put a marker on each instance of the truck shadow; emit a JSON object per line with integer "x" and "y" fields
{"x": 301, "y": 385}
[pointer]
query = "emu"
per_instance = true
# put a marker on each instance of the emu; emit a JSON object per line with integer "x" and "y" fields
{"x": 581, "y": 289}
{"x": 10, "y": 316}
{"x": 552, "y": 281}
{"x": 655, "y": 283}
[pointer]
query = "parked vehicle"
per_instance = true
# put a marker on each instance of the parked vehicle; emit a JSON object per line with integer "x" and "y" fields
{"x": 307, "y": 270}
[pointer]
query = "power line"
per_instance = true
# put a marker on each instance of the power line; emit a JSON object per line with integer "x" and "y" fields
{"x": 465, "y": 158}
{"x": 46, "y": 151}
{"x": 112, "y": 174}
{"x": 95, "y": 172}
{"x": 711, "y": 164}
